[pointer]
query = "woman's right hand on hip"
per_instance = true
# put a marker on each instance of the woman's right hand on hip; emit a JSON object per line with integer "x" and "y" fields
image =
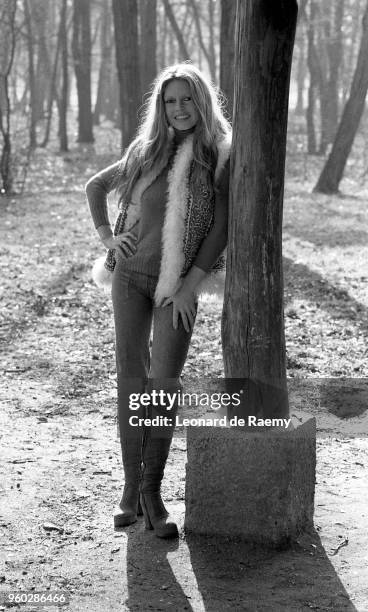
{"x": 125, "y": 243}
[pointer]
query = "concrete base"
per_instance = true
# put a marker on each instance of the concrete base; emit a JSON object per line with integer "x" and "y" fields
{"x": 256, "y": 486}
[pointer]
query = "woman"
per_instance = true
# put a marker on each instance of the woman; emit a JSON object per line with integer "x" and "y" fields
{"x": 171, "y": 231}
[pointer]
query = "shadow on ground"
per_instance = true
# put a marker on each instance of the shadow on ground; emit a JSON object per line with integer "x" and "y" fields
{"x": 206, "y": 574}
{"x": 301, "y": 281}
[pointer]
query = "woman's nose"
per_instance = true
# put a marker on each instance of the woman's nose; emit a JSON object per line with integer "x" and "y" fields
{"x": 179, "y": 105}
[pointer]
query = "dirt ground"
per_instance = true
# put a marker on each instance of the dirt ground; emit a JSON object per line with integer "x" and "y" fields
{"x": 61, "y": 473}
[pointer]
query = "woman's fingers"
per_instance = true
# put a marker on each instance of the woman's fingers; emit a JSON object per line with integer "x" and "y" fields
{"x": 185, "y": 322}
{"x": 190, "y": 319}
{"x": 187, "y": 319}
{"x": 126, "y": 239}
{"x": 175, "y": 316}
{"x": 127, "y": 235}
{"x": 125, "y": 250}
{"x": 126, "y": 243}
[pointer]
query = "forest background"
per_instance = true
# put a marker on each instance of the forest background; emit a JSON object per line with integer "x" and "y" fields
{"x": 73, "y": 75}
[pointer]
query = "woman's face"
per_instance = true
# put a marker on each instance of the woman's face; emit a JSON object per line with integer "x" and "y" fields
{"x": 179, "y": 107}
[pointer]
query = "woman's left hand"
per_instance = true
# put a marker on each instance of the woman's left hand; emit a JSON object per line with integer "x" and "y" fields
{"x": 184, "y": 304}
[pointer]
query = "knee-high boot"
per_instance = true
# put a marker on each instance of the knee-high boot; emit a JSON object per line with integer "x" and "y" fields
{"x": 129, "y": 506}
{"x": 155, "y": 453}
{"x": 131, "y": 439}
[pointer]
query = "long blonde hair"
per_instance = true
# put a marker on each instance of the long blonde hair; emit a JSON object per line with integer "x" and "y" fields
{"x": 152, "y": 144}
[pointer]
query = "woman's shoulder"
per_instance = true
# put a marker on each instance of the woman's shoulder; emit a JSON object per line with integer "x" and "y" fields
{"x": 105, "y": 178}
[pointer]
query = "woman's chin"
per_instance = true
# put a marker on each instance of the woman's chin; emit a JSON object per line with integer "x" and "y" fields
{"x": 183, "y": 126}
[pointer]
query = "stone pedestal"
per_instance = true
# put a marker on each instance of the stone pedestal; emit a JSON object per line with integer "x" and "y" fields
{"x": 258, "y": 486}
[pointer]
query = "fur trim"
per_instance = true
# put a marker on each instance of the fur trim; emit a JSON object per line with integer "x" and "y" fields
{"x": 101, "y": 276}
{"x": 173, "y": 231}
{"x": 212, "y": 286}
{"x": 223, "y": 147}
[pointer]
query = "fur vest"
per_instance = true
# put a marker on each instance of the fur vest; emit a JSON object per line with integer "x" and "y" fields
{"x": 188, "y": 219}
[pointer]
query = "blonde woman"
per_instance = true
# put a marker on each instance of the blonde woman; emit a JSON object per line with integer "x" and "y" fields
{"x": 168, "y": 240}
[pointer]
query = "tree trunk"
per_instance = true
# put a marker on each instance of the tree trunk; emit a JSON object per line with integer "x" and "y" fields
{"x": 313, "y": 82}
{"x": 52, "y": 90}
{"x": 333, "y": 170}
{"x": 105, "y": 64}
{"x": 211, "y": 40}
{"x": 252, "y": 323}
{"x": 177, "y": 31}
{"x": 112, "y": 103}
{"x": 201, "y": 43}
{"x": 227, "y": 51}
{"x": 127, "y": 61}
{"x": 335, "y": 54}
{"x": 301, "y": 72}
{"x": 162, "y": 38}
{"x": 329, "y": 60}
{"x": 32, "y": 80}
{"x": 7, "y": 50}
{"x": 351, "y": 52}
{"x": 81, "y": 48}
{"x": 148, "y": 42}
{"x": 40, "y": 20}
{"x": 63, "y": 133}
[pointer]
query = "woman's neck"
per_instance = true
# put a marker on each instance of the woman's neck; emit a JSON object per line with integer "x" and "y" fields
{"x": 180, "y": 135}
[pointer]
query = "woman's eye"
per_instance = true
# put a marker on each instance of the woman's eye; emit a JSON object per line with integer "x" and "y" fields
{"x": 172, "y": 101}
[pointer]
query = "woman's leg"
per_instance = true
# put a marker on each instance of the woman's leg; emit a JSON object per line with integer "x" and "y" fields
{"x": 133, "y": 318}
{"x": 169, "y": 351}
{"x": 169, "y": 346}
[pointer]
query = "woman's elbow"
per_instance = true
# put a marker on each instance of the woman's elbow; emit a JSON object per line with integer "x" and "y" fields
{"x": 88, "y": 188}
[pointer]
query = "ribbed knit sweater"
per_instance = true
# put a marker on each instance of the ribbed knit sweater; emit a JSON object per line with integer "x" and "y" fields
{"x": 147, "y": 257}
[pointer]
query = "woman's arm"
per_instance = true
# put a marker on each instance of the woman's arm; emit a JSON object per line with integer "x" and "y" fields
{"x": 215, "y": 241}
{"x": 97, "y": 189}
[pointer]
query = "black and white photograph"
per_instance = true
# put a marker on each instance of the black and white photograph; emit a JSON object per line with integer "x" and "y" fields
{"x": 184, "y": 305}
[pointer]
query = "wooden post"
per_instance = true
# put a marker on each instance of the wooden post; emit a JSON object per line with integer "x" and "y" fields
{"x": 252, "y": 325}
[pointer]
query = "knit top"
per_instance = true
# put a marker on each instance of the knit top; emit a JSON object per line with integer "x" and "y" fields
{"x": 148, "y": 231}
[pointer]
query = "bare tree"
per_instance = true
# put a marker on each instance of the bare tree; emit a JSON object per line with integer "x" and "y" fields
{"x": 53, "y": 94}
{"x": 105, "y": 63}
{"x": 127, "y": 60}
{"x": 32, "y": 76}
{"x": 177, "y": 31}
{"x": 252, "y": 324}
{"x": 210, "y": 58}
{"x": 148, "y": 42}
{"x": 63, "y": 107}
{"x": 314, "y": 79}
{"x": 7, "y": 49}
{"x": 81, "y": 47}
{"x": 40, "y": 14}
{"x": 301, "y": 74}
{"x": 333, "y": 170}
{"x": 329, "y": 57}
{"x": 162, "y": 39}
{"x": 211, "y": 39}
{"x": 227, "y": 51}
